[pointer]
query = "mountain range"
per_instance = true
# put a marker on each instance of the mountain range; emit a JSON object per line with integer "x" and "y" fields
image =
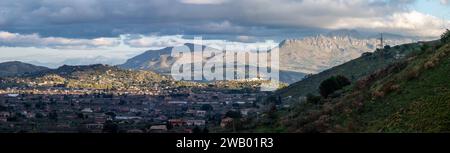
{"x": 298, "y": 57}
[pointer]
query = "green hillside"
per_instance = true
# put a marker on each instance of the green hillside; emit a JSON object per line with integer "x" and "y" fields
{"x": 410, "y": 95}
{"x": 354, "y": 69}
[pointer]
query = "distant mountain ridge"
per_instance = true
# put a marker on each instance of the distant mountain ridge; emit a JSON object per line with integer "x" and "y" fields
{"x": 155, "y": 60}
{"x": 312, "y": 55}
{"x": 19, "y": 68}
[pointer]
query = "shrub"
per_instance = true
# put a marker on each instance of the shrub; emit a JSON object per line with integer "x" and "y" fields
{"x": 378, "y": 94}
{"x": 389, "y": 87}
{"x": 233, "y": 114}
{"x": 333, "y": 84}
{"x": 413, "y": 73}
{"x": 274, "y": 99}
{"x": 310, "y": 98}
{"x": 429, "y": 65}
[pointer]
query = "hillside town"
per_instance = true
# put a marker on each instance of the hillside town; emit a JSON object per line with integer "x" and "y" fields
{"x": 197, "y": 108}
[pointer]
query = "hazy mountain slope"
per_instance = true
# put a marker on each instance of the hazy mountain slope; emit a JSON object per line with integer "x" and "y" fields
{"x": 18, "y": 68}
{"x": 411, "y": 95}
{"x": 155, "y": 60}
{"x": 159, "y": 61}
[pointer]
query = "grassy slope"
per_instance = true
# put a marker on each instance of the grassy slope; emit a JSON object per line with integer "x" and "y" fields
{"x": 421, "y": 104}
{"x": 409, "y": 97}
{"x": 353, "y": 69}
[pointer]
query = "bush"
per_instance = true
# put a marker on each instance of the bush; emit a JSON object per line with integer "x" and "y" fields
{"x": 333, "y": 84}
{"x": 110, "y": 127}
{"x": 274, "y": 99}
{"x": 233, "y": 114}
{"x": 413, "y": 73}
{"x": 207, "y": 107}
{"x": 310, "y": 98}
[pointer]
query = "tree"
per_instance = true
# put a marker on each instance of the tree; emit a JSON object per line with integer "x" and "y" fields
{"x": 81, "y": 116}
{"x": 110, "y": 127}
{"x": 53, "y": 115}
{"x": 27, "y": 105}
{"x": 122, "y": 102}
{"x": 333, "y": 84}
{"x": 234, "y": 114}
{"x": 169, "y": 126}
{"x": 445, "y": 37}
{"x": 207, "y": 107}
{"x": 39, "y": 115}
{"x": 275, "y": 100}
{"x": 272, "y": 112}
{"x": 310, "y": 98}
{"x": 111, "y": 114}
{"x": 235, "y": 105}
{"x": 205, "y": 130}
{"x": 196, "y": 130}
{"x": 3, "y": 108}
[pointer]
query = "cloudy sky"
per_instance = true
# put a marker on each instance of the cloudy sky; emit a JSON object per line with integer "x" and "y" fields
{"x": 110, "y": 31}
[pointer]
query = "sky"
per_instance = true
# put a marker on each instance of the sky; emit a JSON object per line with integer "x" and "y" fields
{"x": 56, "y": 32}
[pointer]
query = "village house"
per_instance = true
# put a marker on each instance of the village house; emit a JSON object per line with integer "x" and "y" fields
{"x": 158, "y": 128}
{"x": 177, "y": 102}
{"x": 200, "y": 113}
{"x": 226, "y": 122}
{"x": 87, "y": 110}
{"x": 176, "y": 122}
{"x": 94, "y": 127}
{"x": 195, "y": 122}
{"x": 100, "y": 118}
{"x": 135, "y": 131}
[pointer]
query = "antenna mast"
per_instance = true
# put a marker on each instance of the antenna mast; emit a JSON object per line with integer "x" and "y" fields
{"x": 381, "y": 41}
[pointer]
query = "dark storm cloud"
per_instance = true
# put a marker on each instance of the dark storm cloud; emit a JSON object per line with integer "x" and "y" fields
{"x": 106, "y": 18}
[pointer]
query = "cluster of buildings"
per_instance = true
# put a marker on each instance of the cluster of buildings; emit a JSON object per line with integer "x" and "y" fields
{"x": 80, "y": 110}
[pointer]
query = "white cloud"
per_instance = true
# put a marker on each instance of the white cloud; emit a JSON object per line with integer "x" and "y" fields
{"x": 222, "y": 27}
{"x": 8, "y": 39}
{"x": 153, "y": 41}
{"x": 412, "y": 23}
{"x": 202, "y": 2}
{"x": 34, "y": 40}
{"x": 244, "y": 38}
